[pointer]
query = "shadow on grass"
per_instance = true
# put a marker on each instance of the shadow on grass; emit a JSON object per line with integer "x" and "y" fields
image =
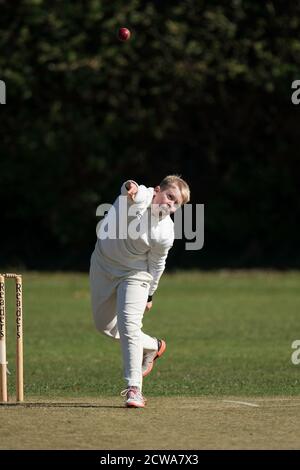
{"x": 57, "y": 405}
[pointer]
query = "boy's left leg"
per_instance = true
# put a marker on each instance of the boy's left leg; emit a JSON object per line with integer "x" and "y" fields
{"x": 132, "y": 294}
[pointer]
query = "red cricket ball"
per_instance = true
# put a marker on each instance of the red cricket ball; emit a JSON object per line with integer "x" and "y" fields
{"x": 124, "y": 34}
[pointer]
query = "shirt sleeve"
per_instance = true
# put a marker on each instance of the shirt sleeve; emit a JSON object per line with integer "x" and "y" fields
{"x": 157, "y": 261}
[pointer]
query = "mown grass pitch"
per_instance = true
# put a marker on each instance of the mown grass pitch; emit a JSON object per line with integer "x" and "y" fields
{"x": 167, "y": 423}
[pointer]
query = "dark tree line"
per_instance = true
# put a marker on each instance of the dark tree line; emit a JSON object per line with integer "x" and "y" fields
{"x": 202, "y": 89}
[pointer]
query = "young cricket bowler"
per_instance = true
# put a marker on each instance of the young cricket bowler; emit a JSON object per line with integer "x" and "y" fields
{"x": 126, "y": 266}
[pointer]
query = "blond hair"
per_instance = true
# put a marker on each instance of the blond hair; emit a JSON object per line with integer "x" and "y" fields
{"x": 176, "y": 180}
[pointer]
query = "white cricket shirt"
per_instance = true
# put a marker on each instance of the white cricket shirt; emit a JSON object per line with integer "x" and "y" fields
{"x": 141, "y": 240}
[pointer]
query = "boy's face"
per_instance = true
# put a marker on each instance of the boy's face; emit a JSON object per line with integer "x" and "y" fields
{"x": 166, "y": 201}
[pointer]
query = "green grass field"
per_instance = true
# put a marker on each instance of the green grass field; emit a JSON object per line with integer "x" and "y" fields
{"x": 227, "y": 375}
{"x": 228, "y": 333}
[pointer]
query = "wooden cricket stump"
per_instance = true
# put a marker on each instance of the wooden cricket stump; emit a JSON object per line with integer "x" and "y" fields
{"x": 19, "y": 339}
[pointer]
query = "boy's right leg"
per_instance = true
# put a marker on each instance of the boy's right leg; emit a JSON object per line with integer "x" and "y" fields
{"x": 104, "y": 300}
{"x": 149, "y": 343}
{"x": 149, "y": 356}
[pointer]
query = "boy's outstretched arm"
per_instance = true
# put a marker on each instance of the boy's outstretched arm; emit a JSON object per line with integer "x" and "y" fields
{"x": 137, "y": 193}
{"x": 132, "y": 189}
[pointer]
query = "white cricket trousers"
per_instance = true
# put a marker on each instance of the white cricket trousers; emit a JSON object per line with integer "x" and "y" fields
{"x": 119, "y": 300}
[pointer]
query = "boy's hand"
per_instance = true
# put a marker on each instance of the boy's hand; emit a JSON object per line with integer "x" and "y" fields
{"x": 148, "y": 306}
{"x": 132, "y": 189}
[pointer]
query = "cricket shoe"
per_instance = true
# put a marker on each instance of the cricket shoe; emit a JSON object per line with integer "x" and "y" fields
{"x": 151, "y": 356}
{"x": 134, "y": 398}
